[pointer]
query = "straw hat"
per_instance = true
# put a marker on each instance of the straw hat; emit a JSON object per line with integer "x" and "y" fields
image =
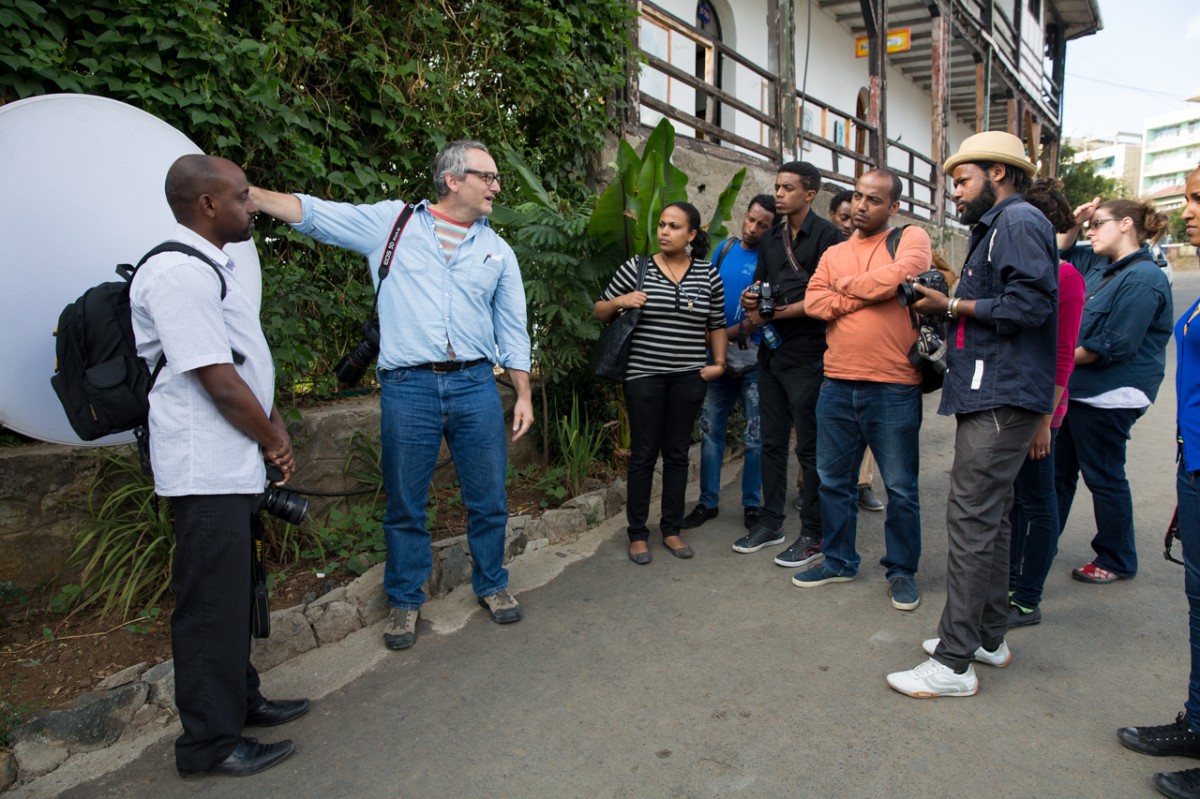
{"x": 992, "y": 145}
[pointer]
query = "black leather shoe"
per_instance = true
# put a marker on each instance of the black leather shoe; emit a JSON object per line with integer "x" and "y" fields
{"x": 270, "y": 714}
{"x": 248, "y": 757}
{"x": 698, "y": 516}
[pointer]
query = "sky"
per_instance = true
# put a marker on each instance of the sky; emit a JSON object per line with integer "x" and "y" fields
{"x": 1145, "y": 62}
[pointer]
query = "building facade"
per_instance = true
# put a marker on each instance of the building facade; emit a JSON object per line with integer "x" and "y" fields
{"x": 1170, "y": 152}
{"x": 851, "y": 84}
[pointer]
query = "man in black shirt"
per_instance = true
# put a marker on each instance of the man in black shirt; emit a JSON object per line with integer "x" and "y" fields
{"x": 790, "y": 374}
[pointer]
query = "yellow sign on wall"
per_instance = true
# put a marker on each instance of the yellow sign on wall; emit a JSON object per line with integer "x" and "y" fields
{"x": 898, "y": 41}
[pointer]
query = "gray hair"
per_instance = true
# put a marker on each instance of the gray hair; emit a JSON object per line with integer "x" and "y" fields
{"x": 453, "y": 161}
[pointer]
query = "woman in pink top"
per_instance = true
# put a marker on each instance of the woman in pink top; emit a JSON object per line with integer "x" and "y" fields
{"x": 1034, "y": 518}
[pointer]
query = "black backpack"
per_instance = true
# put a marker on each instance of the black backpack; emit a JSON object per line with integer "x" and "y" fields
{"x": 101, "y": 382}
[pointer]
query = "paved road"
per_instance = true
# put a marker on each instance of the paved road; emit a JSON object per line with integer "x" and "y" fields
{"x": 715, "y": 677}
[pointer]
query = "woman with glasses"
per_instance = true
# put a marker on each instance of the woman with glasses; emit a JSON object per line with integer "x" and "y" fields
{"x": 682, "y": 301}
{"x": 1119, "y": 363}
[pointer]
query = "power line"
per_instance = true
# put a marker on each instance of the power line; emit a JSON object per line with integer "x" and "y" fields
{"x": 1127, "y": 86}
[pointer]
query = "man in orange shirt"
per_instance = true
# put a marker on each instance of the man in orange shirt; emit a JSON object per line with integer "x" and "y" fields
{"x": 872, "y": 392}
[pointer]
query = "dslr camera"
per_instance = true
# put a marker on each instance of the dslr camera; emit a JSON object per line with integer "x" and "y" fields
{"x": 281, "y": 503}
{"x": 351, "y": 368}
{"x": 766, "y": 299}
{"x": 932, "y": 279}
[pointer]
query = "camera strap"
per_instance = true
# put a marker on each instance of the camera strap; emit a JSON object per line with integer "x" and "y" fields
{"x": 385, "y": 264}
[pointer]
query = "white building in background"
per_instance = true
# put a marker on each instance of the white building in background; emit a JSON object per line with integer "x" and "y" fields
{"x": 1170, "y": 152}
{"x": 1117, "y": 157}
{"x": 776, "y": 79}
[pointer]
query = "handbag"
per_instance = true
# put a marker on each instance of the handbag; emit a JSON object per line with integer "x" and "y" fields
{"x": 610, "y": 356}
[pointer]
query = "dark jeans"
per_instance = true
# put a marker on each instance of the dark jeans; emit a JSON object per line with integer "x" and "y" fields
{"x": 787, "y": 398}
{"x": 852, "y": 415}
{"x": 1187, "y": 492}
{"x": 989, "y": 448}
{"x": 215, "y": 685}
{"x": 1035, "y": 528}
{"x": 662, "y": 413}
{"x": 1092, "y": 442}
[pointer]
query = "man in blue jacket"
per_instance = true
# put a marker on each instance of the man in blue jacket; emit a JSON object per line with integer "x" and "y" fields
{"x": 999, "y": 385}
{"x": 451, "y": 306}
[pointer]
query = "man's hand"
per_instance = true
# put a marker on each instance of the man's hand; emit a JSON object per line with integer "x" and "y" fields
{"x": 522, "y": 417}
{"x": 932, "y": 302}
{"x": 281, "y": 455}
{"x": 1040, "y": 446}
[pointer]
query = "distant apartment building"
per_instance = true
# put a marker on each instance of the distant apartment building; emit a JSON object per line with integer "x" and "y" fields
{"x": 1170, "y": 152}
{"x": 1117, "y": 157}
{"x": 849, "y": 85}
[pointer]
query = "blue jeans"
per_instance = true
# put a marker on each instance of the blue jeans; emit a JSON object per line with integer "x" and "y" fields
{"x": 1035, "y": 528}
{"x": 852, "y": 415}
{"x": 419, "y": 407}
{"x": 1092, "y": 441}
{"x": 714, "y": 423}
{"x": 1187, "y": 492}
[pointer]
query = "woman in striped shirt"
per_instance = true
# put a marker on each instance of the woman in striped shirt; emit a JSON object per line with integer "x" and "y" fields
{"x": 682, "y": 301}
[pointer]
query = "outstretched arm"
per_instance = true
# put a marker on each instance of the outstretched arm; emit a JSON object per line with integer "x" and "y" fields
{"x": 284, "y": 207}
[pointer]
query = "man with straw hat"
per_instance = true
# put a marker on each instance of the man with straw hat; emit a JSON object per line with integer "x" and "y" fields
{"x": 999, "y": 385}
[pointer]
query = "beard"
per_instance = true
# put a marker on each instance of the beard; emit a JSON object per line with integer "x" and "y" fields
{"x": 974, "y": 210}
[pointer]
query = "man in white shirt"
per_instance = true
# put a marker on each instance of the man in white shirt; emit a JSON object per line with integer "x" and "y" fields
{"x": 212, "y": 423}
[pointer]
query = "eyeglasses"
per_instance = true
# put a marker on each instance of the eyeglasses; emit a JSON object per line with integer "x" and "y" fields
{"x": 488, "y": 178}
{"x": 1095, "y": 223}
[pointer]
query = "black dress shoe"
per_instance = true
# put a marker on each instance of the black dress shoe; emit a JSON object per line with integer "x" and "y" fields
{"x": 698, "y": 516}
{"x": 271, "y": 714}
{"x": 248, "y": 757}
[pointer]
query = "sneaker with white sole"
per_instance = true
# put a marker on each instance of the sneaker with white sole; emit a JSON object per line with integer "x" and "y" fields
{"x": 803, "y": 552}
{"x": 758, "y": 538}
{"x": 999, "y": 658}
{"x": 821, "y": 574}
{"x": 903, "y": 591}
{"x": 932, "y": 679}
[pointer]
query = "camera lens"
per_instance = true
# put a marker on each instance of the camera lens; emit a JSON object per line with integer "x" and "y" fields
{"x": 292, "y": 508}
{"x": 351, "y": 368}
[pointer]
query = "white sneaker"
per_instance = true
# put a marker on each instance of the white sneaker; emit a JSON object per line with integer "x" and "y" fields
{"x": 999, "y": 658}
{"x": 932, "y": 679}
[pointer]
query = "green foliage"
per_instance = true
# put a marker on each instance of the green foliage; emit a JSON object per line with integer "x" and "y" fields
{"x": 338, "y": 98}
{"x": 548, "y": 234}
{"x": 11, "y": 717}
{"x": 126, "y": 553}
{"x": 1080, "y": 181}
{"x": 724, "y": 210}
{"x": 579, "y": 443}
{"x": 12, "y": 594}
{"x": 626, "y": 215}
{"x": 1176, "y": 226}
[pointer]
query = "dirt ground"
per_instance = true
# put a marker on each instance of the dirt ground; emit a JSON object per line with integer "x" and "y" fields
{"x": 47, "y": 659}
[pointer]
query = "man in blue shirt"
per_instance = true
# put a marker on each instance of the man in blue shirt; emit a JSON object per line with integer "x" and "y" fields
{"x": 452, "y": 305}
{"x": 735, "y": 261}
{"x": 999, "y": 385}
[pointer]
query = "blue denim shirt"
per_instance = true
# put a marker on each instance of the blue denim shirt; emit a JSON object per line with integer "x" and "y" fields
{"x": 1004, "y": 355}
{"x": 474, "y": 305}
{"x": 1127, "y": 323}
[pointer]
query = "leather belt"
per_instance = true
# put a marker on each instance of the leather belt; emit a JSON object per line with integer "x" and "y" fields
{"x": 442, "y": 367}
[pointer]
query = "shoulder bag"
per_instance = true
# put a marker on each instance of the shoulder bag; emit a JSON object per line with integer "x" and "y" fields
{"x": 610, "y": 356}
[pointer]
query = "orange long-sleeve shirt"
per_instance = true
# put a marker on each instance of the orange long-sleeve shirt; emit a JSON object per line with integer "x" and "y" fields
{"x": 854, "y": 289}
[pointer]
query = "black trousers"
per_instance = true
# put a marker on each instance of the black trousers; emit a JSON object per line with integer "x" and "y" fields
{"x": 215, "y": 685}
{"x": 787, "y": 398}
{"x": 662, "y": 414}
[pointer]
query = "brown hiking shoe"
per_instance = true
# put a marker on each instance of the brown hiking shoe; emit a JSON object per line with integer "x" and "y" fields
{"x": 503, "y": 606}
{"x": 401, "y": 630}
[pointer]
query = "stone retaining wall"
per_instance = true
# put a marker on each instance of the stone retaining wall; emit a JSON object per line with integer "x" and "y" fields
{"x": 130, "y": 701}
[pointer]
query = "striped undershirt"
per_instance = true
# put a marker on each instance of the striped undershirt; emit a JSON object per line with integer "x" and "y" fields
{"x": 669, "y": 336}
{"x": 449, "y": 233}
